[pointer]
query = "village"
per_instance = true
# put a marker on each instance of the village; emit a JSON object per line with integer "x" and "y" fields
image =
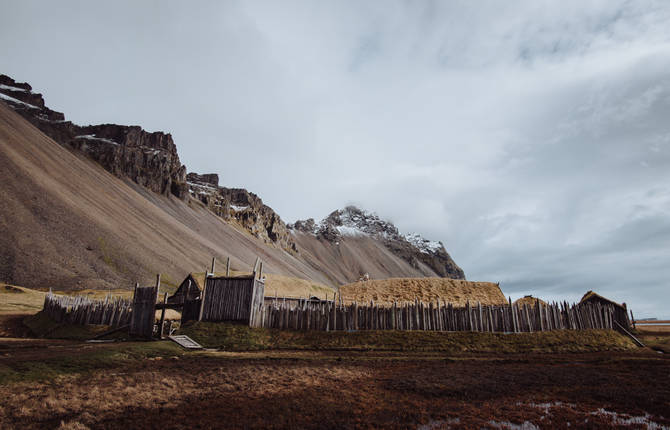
{"x": 226, "y": 322}
{"x": 241, "y": 299}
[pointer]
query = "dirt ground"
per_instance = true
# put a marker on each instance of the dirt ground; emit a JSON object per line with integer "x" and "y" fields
{"x": 308, "y": 389}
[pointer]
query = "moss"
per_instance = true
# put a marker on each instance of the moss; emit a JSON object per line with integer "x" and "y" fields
{"x": 44, "y": 327}
{"x": 85, "y": 361}
{"x": 241, "y": 338}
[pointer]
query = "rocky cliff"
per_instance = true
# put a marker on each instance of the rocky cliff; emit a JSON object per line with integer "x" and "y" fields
{"x": 345, "y": 245}
{"x": 244, "y": 207}
{"x": 148, "y": 159}
{"x": 354, "y": 222}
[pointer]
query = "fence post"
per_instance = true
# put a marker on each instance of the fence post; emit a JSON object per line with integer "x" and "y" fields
{"x": 162, "y": 320}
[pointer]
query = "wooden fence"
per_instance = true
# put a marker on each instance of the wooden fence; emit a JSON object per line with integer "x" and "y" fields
{"x": 114, "y": 312}
{"x": 509, "y": 318}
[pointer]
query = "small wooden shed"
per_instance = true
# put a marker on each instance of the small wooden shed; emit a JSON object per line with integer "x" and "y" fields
{"x": 226, "y": 298}
{"x": 193, "y": 283}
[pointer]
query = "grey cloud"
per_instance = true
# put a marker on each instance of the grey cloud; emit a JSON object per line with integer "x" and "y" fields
{"x": 530, "y": 137}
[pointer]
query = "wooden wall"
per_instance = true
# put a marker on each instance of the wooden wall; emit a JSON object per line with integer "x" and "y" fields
{"x": 510, "y": 318}
{"x": 111, "y": 311}
{"x": 144, "y": 311}
{"x": 237, "y": 299}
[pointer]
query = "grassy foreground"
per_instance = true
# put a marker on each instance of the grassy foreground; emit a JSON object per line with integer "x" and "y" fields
{"x": 241, "y": 338}
{"x": 50, "y": 366}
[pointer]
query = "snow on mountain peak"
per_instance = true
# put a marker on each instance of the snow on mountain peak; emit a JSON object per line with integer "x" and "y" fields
{"x": 424, "y": 245}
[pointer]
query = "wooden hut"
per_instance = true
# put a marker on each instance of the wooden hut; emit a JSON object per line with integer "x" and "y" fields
{"x": 195, "y": 281}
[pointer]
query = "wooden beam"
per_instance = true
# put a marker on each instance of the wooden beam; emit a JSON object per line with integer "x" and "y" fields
{"x": 227, "y": 266}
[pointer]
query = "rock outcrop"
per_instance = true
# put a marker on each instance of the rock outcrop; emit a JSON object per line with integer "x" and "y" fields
{"x": 246, "y": 208}
{"x": 148, "y": 159}
{"x": 352, "y": 221}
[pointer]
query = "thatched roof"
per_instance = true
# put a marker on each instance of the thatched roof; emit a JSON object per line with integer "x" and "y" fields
{"x": 592, "y": 296}
{"x": 401, "y": 290}
{"x": 529, "y": 300}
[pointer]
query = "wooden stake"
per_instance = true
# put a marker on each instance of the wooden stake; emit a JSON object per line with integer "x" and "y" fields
{"x": 258, "y": 260}
{"x": 228, "y": 267}
{"x": 202, "y": 300}
{"x": 160, "y": 327}
{"x": 213, "y": 264}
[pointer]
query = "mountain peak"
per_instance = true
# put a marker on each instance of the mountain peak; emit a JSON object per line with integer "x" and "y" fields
{"x": 352, "y": 222}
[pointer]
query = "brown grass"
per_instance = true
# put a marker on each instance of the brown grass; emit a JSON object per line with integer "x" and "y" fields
{"x": 19, "y": 300}
{"x": 345, "y": 391}
{"x": 454, "y": 291}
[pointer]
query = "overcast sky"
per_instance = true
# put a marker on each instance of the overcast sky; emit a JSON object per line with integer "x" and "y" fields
{"x": 532, "y": 138}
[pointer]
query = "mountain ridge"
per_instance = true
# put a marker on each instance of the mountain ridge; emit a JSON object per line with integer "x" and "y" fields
{"x": 351, "y": 242}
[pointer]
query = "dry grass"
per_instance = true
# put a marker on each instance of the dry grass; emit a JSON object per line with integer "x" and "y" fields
{"x": 454, "y": 291}
{"x": 19, "y": 300}
{"x": 344, "y": 391}
{"x": 530, "y": 301}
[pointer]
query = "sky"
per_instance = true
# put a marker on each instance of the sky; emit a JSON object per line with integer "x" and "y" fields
{"x": 531, "y": 137}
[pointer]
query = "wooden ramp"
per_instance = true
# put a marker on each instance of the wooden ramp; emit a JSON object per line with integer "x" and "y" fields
{"x": 185, "y": 342}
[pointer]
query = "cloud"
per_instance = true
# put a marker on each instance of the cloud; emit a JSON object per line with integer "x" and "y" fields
{"x": 530, "y": 137}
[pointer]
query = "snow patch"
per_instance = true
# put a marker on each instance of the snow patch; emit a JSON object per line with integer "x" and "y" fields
{"x": 17, "y": 89}
{"x": 196, "y": 185}
{"x": 346, "y": 230}
{"x": 239, "y": 208}
{"x": 92, "y": 137}
{"x": 18, "y": 102}
{"x": 424, "y": 245}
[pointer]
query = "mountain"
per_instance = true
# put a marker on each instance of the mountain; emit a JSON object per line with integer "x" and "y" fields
{"x": 148, "y": 159}
{"x": 343, "y": 228}
{"x": 102, "y": 206}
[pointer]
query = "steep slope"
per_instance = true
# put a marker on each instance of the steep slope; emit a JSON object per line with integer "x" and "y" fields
{"x": 148, "y": 159}
{"x": 67, "y": 223}
{"x": 66, "y": 220}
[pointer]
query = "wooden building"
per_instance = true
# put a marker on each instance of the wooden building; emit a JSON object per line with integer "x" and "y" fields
{"x": 193, "y": 283}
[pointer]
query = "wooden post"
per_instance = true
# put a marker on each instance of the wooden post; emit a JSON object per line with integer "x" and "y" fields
{"x": 213, "y": 265}
{"x": 188, "y": 291}
{"x": 160, "y": 327}
{"x": 202, "y": 300}
{"x": 258, "y": 260}
{"x": 228, "y": 267}
{"x": 260, "y": 271}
